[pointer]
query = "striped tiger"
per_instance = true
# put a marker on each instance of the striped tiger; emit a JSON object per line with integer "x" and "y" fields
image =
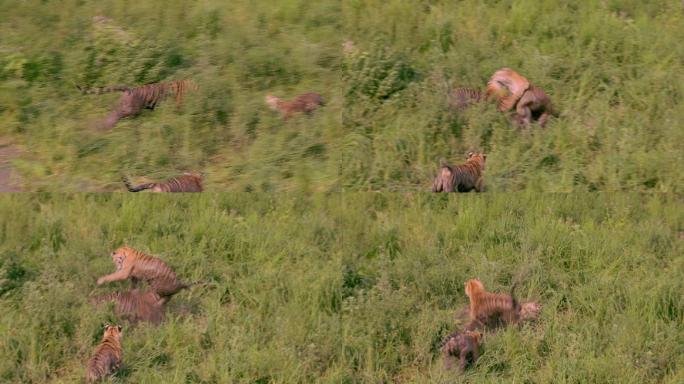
{"x": 461, "y": 178}
{"x": 491, "y": 309}
{"x": 534, "y": 105}
{"x": 304, "y": 103}
{"x": 188, "y": 182}
{"x": 462, "y": 98}
{"x": 107, "y": 357}
{"x": 135, "y": 265}
{"x": 135, "y": 99}
{"x": 136, "y": 305}
{"x": 464, "y": 346}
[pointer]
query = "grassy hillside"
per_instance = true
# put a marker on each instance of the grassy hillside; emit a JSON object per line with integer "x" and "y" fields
{"x": 613, "y": 68}
{"x": 354, "y": 288}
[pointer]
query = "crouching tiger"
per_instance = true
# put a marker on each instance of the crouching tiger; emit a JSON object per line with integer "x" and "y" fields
{"x": 461, "y": 178}
{"x": 136, "y": 305}
{"x": 107, "y": 357}
{"x": 135, "y": 99}
{"x": 135, "y": 265}
{"x": 188, "y": 182}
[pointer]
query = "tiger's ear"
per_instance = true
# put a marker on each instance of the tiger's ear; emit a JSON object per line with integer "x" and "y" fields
{"x": 119, "y": 328}
{"x": 470, "y": 154}
{"x": 484, "y": 156}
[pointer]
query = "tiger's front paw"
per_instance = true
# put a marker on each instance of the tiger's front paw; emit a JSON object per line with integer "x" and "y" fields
{"x": 100, "y": 281}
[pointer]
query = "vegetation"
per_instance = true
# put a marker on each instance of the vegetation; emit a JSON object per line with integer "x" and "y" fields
{"x": 348, "y": 288}
{"x": 612, "y": 68}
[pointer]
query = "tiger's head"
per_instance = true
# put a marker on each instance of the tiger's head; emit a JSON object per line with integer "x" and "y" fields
{"x": 114, "y": 331}
{"x": 120, "y": 254}
{"x": 475, "y": 335}
{"x": 272, "y": 101}
{"x": 477, "y": 158}
{"x": 474, "y": 287}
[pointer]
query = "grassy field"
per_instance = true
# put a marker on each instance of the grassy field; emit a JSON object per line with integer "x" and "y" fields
{"x": 352, "y": 288}
{"x": 613, "y": 69}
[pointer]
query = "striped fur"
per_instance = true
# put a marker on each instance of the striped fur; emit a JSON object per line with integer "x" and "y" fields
{"x": 491, "y": 309}
{"x": 135, "y": 265}
{"x": 507, "y": 86}
{"x": 136, "y": 305}
{"x": 461, "y": 178}
{"x": 135, "y": 99}
{"x": 462, "y": 98}
{"x": 464, "y": 346}
{"x": 188, "y": 182}
{"x": 305, "y": 103}
{"x": 107, "y": 357}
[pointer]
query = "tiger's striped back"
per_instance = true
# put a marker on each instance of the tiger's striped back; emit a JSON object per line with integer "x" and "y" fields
{"x": 462, "y": 178}
{"x": 154, "y": 271}
{"x": 187, "y": 182}
{"x": 507, "y": 86}
{"x": 107, "y": 357}
{"x": 461, "y": 98}
{"x": 153, "y": 94}
{"x": 136, "y": 305}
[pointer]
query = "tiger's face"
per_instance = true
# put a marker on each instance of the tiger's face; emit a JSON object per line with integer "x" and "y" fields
{"x": 114, "y": 331}
{"x": 477, "y": 157}
{"x": 119, "y": 256}
{"x": 473, "y": 287}
{"x": 271, "y": 101}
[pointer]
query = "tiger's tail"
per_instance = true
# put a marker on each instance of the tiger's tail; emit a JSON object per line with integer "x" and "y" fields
{"x": 515, "y": 303}
{"x": 138, "y": 188}
{"x": 101, "y": 90}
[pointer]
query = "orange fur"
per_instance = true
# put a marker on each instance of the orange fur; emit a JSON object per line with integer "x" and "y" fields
{"x": 461, "y": 178}
{"x": 305, "y": 103}
{"x": 188, "y": 182}
{"x": 136, "y": 305}
{"x": 490, "y": 309}
{"x": 107, "y": 357}
{"x": 139, "y": 266}
{"x": 462, "y": 345}
{"x": 507, "y": 86}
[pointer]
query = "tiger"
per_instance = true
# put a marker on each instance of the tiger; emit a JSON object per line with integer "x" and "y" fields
{"x": 188, "y": 182}
{"x": 462, "y": 98}
{"x": 107, "y": 357}
{"x": 136, "y": 305}
{"x": 490, "y": 309}
{"x": 304, "y": 103}
{"x": 135, "y": 99}
{"x": 135, "y": 265}
{"x": 462, "y": 345}
{"x": 514, "y": 91}
{"x": 461, "y": 178}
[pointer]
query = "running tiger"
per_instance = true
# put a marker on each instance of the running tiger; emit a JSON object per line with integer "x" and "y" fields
{"x": 461, "y": 178}
{"x": 106, "y": 359}
{"x": 135, "y": 265}
{"x": 188, "y": 182}
{"x": 513, "y": 90}
{"x": 135, "y": 99}
{"x": 305, "y": 103}
{"x": 464, "y": 346}
{"x": 136, "y": 305}
{"x": 490, "y": 309}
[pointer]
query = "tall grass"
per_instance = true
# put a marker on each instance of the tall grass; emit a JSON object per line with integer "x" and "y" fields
{"x": 353, "y": 288}
{"x": 613, "y": 70}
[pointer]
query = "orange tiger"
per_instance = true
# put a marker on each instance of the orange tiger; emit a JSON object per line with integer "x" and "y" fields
{"x": 135, "y": 99}
{"x": 107, "y": 357}
{"x": 135, "y": 265}
{"x": 305, "y": 103}
{"x": 461, "y": 178}
{"x": 514, "y": 91}
{"x": 491, "y": 309}
{"x": 462, "y": 98}
{"x": 188, "y": 182}
{"x": 136, "y": 305}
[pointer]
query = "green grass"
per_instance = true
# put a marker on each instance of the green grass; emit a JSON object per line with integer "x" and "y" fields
{"x": 612, "y": 68}
{"x": 352, "y": 288}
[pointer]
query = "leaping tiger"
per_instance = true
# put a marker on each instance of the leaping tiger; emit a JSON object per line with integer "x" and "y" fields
{"x": 135, "y": 99}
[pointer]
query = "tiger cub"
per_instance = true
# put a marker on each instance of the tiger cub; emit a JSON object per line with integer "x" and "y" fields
{"x": 305, "y": 103}
{"x": 464, "y": 346}
{"x": 188, "y": 182}
{"x": 135, "y": 265}
{"x": 106, "y": 359}
{"x": 462, "y": 98}
{"x": 491, "y": 309}
{"x": 461, "y": 178}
